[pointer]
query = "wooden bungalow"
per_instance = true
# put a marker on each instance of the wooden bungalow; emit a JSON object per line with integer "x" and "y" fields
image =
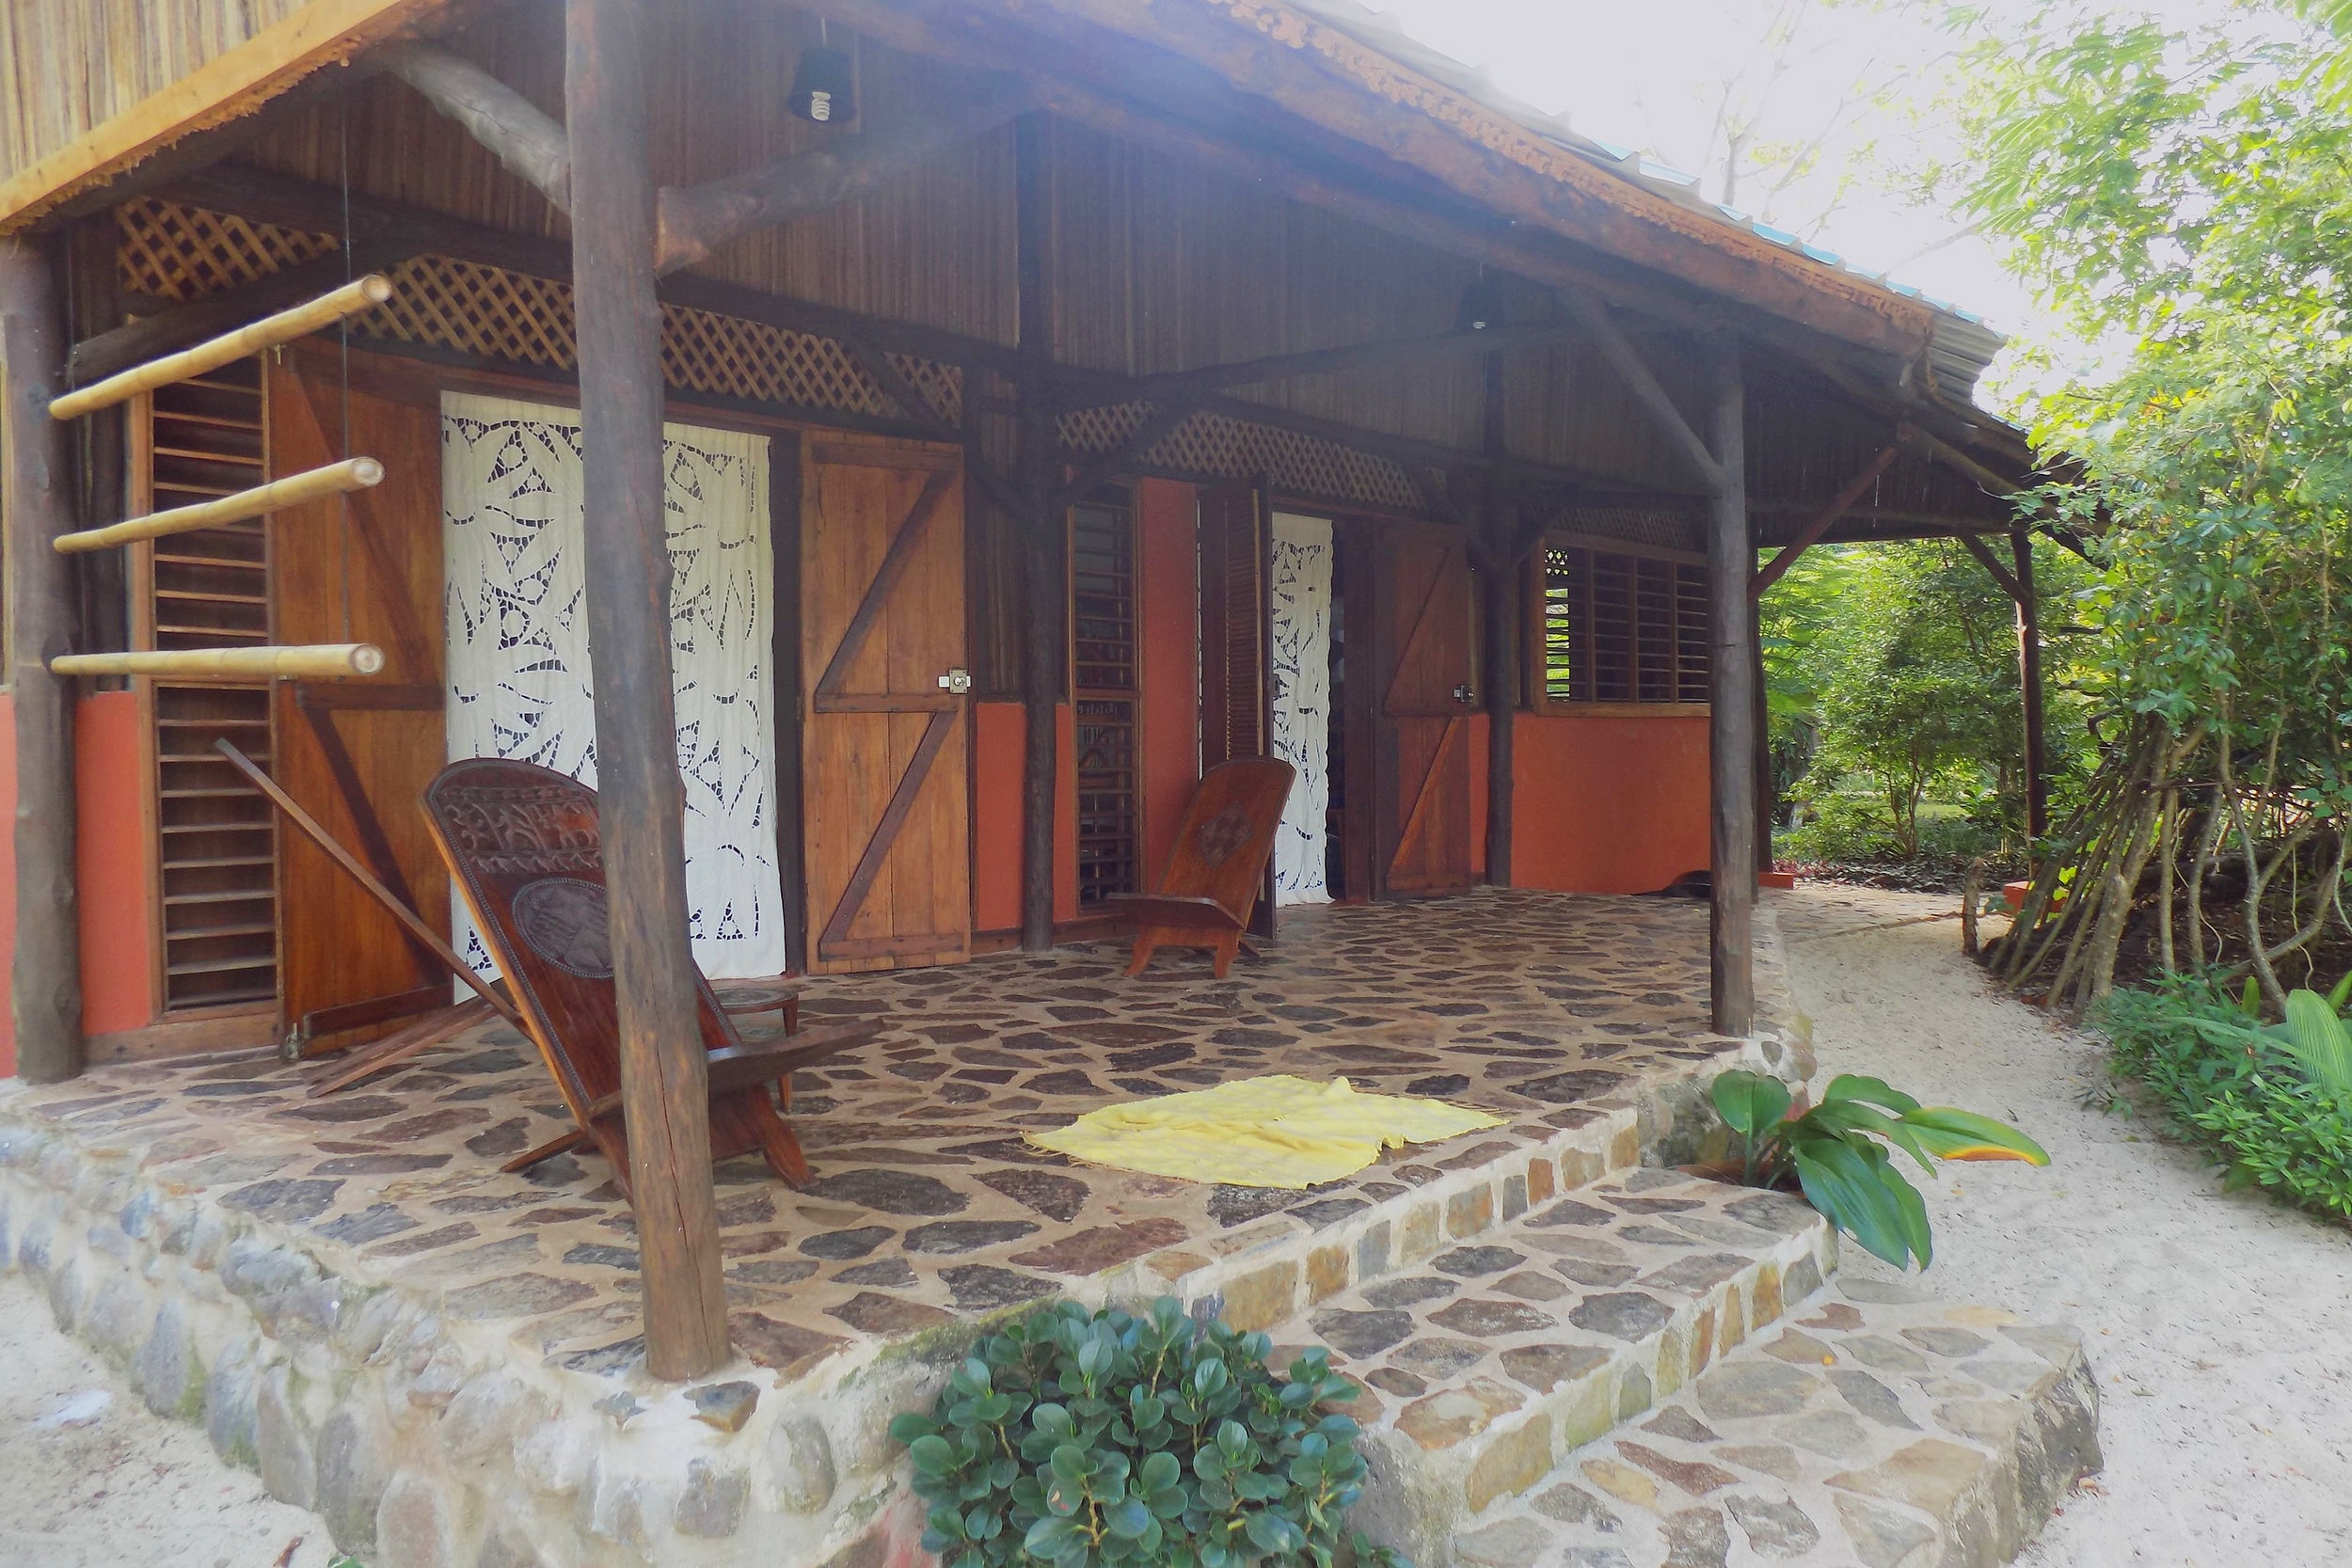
{"x": 1026, "y": 406}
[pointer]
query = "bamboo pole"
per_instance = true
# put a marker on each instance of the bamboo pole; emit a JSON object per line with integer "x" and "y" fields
{"x": 365, "y": 293}
{"x": 316, "y": 662}
{"x": 336, "y": 479}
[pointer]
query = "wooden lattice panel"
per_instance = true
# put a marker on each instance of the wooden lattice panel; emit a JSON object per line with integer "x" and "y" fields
{"x": 1669, "y": 531}
{"x": 183, "y": 252}
{"x": 178, "y": 253}
{"x": 485, "y": 310}
{"x": 1219, "y": 446}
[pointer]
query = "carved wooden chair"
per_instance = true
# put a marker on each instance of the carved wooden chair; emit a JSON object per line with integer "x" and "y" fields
{"x": 1218, "y": 866}
{"x": 523, "y": 847}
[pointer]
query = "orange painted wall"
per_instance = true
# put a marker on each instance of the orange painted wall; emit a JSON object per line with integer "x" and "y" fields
{"x": 1479, "y": 774}
{"x": 117, "y": 960}
{"x": 1608, "y": 805}
{"x": 110, "y": 864}
{"x": 1167, "y": 638}
{"x": 996, "y": 774}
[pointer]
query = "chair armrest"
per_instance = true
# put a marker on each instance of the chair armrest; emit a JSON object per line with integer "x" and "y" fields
{"x": 744, "y": 1066}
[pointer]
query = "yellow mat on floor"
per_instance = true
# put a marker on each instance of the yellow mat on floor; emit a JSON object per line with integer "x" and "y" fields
{"x": 1278, "y": 1131}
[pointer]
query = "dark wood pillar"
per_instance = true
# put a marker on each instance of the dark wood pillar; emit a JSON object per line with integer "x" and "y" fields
{"x": 1731, "y": 669}
{"x": 1765, "y": 798}
{"x": 1500, "y": 606}
{"x": 2029, "y": 684}
{"x": 45, "y": 976}
{"x": 1037, "y": 476}
{"x": 664, "y": 1077}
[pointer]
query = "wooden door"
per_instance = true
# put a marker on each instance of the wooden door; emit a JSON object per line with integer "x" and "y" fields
{"x": 357, "y": 753}
{"x": 1425, "y": 630}
{"x": 884, "y": 809}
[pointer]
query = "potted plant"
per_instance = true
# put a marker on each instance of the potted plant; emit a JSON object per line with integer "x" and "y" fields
{"x": 1839, "y": 1152}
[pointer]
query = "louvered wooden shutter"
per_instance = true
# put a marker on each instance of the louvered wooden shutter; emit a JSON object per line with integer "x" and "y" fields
{"x": 1233, "y": 624}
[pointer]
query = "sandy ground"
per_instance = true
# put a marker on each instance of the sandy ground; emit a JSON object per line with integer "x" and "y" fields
{"x": 93, "y": 1480}
{"x": 2220, "y": 1328}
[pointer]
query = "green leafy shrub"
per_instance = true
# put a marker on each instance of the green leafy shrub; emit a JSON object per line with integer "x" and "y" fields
{"x": 2239, "y": 1093}
{"x": 1838, "y": 1152}
{"x": 1081, "y": 1439}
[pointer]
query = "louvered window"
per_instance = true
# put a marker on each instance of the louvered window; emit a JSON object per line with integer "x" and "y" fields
{"x": 1103, "y": 670}
{"x": 216, "y": 850}
{"x": 1623, "y": 628}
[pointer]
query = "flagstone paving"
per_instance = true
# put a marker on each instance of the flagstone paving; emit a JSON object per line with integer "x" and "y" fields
{"x": 444, "y": 1361}
{"x": 926, "y": 1204}
{"x": 1876, "y": 1428}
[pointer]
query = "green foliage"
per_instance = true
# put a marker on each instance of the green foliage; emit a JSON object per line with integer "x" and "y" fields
{"x": 1840, "y": 1152}
{"x": 1891, "y": 670}
{"x": 2241, "y": 1093}
{"x": 1080, "y": 1439}
{"x": 2180, "y": 198}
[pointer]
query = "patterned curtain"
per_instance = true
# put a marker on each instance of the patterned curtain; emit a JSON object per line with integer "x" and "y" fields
{"x": 1300, "y": 603}
{"x": 517, "y": 631}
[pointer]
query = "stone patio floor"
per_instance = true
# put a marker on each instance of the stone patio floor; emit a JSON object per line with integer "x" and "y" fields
{"x": 353, "y": 1297}
{"x": 926, "y": 1202}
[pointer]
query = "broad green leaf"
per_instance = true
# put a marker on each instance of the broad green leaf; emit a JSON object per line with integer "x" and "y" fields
{"x": 1874, "y": 1091}
{"x": 1913, "y": 1211}
{"x": 1749, "y": 1103}
{"x": 1955, "y": 1135}
{"x": 1853, "y": 1116}
{"x": 1840, "y": 1183}
{"x": 2315, "y": 1036}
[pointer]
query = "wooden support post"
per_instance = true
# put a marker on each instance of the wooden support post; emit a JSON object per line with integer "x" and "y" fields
{"x": 640, "y": 800}
{"x": 45, "y": 974}
{"x": 2029, "y": 684}
{"x": 1766, "y": 796}
{"x": 1036, "y": 465}
{"x": 523, "y": 136}
{"x": 1499, "y": 583}
{"x": 1731, "y": 723}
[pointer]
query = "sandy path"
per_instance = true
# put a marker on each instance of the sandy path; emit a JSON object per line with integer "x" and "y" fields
{"x": 103, "y": 1484}
{"x": 2220, "y": 1328}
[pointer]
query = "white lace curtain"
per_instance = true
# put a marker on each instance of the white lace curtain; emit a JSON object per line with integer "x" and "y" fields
{"x": 1300, "y": 603}
{"x": 517, "y": 643}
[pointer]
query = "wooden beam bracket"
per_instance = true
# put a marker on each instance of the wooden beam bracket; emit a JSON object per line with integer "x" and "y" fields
{"x": 525, "y": 137}
{"x": 1826, "y": 520}
{"x": 1592, "y": 312}
{"x": 1991, "y": 563}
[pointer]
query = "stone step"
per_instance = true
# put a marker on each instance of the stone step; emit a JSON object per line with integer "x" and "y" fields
{"x": 1483, "y": 1364}
{"x": 1878, "y": 1427}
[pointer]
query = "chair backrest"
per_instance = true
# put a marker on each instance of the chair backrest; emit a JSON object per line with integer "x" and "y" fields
{"x": 523, "y": 845}
{"x": 1228, "y": 832}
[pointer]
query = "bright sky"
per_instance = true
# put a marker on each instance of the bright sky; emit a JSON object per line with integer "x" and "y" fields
{"x": 1651, "y": 76}
{"x": 1866, "y": 79}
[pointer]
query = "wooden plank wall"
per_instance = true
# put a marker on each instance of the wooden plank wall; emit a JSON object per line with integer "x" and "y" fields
{"x": 1162, "y": 265}
{"x": 68, "y": 66}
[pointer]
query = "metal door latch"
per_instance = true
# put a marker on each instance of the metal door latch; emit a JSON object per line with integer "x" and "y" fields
{"x": 1463, "y": 695}
{"x": 957, "y": 681}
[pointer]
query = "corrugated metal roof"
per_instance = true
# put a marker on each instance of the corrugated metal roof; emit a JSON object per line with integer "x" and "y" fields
{"x": 1962, "y": 345}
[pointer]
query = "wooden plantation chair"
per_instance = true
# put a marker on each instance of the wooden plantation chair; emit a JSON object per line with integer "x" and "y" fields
{"x": 523, "y": 847}
{"x": 1218, "y": 864}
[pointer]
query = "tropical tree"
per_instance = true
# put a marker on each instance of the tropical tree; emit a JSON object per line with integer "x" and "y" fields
{"x": 2180, "y": 198}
